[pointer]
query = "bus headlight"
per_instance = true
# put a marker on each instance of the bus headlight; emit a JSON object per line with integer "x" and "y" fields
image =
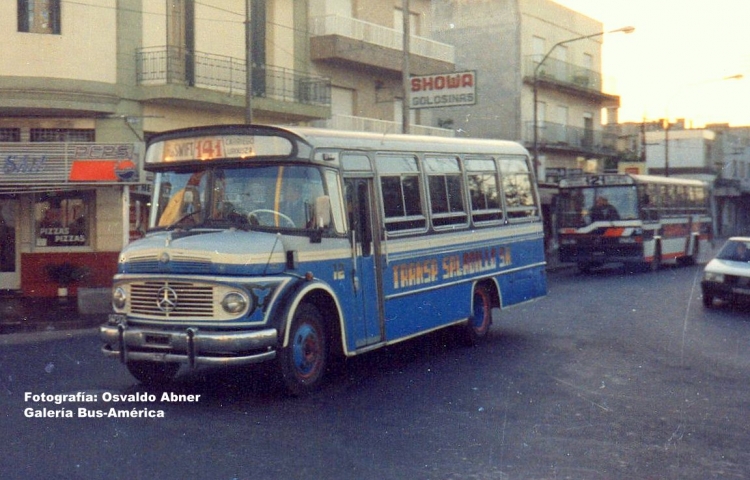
{"x": 713, "y": 277}
{"x": 235, "y": 302}
{"x": 119, "y": 298}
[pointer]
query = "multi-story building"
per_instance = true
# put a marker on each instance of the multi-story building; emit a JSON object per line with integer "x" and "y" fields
{"x": 534, "y": 69}
{"x": 717, "y": 154}
{"x": 731, "y": 190}
{"x": 84, "y": 84}
{"x": 359, "y": 45}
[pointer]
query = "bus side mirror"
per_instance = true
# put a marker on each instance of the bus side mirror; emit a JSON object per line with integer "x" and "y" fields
{"x": 322, "y": 212}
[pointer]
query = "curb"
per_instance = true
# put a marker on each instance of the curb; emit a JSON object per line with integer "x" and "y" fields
{"x": 43, "y": 336}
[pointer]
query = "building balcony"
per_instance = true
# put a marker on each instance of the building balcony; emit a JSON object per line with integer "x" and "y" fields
{"x": 164, "y": 72}
{"x": 569, "y": 78}
{"x": 363, "y": 124}
{"x": 555, "y": 137}
{"x": 343, "y": 39}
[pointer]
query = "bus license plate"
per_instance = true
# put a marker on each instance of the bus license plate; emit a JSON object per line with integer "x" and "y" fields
{"x": 116, "y": 318}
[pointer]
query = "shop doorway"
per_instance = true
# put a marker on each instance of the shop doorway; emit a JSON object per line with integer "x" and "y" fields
{"x": 10, "y": 278}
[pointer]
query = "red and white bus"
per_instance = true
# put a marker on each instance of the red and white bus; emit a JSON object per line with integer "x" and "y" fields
{"x": 638, "y": 220}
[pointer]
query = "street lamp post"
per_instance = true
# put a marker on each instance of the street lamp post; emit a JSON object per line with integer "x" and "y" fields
{"x": 536, "y": 83}
{"x": 666, "y": 125}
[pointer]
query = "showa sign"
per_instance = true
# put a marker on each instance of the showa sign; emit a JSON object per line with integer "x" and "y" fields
{"x": 443, "y": 90}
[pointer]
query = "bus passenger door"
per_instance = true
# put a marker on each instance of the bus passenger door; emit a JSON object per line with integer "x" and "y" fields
{"x": 368, "y": 273}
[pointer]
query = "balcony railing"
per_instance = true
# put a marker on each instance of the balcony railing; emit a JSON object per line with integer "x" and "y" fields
{"x": 564, "y": 73}
{"x": 556, "y": 135}
{"x": 174, "y": 65}
{"x": 363, "y": 124}
{"x": 379, "y": 35}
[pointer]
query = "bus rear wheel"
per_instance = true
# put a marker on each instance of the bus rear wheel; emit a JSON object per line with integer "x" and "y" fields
{"x": 303, "y": 362}
{"x": 478, "y": 325}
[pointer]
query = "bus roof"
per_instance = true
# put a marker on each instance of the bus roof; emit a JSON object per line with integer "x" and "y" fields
{"x": 612, "y": 179}
{"x": 325, "y": 138}
{"x": 668, "y": 180}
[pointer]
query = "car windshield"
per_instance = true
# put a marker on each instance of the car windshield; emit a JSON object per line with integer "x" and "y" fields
{"x": 270, "y": 197}
{"x": 735, "y": 250}
{"x": 582, "y": 206}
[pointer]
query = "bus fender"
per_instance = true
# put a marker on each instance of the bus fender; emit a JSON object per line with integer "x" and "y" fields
{"x": 321, "y": 295}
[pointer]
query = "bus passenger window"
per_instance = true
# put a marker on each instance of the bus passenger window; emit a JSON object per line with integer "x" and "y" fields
{"x": 400, "y": 189}
{"x": 446, "y": 191}
{"x": 518, "y": 188}
{"x": 483, "y": 190}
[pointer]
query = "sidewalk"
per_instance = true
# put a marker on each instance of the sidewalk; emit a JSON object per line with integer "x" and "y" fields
{"x": 24, "y": 314}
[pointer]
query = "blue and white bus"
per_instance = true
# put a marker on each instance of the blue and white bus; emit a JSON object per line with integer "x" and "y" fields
{"x": 295, "y": 245}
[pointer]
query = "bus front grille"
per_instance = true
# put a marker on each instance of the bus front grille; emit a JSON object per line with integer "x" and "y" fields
{"x": 170, "y": 299}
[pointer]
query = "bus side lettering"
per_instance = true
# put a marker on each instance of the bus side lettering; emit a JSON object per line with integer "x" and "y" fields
{"x": 415, "y": 273}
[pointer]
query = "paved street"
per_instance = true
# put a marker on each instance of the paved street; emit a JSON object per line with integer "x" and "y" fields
{"x": 610, "y": 376}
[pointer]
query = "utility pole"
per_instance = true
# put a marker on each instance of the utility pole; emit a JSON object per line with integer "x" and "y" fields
{"x": 405, "y": 68}
{"x": 248, "y": 64}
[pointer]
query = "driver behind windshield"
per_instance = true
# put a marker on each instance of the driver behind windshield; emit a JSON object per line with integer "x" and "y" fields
{"x": 296, "y": 203}
{"x": 603, "y": 211}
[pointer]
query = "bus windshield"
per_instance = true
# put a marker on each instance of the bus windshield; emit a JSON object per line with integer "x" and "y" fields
{"x": 582, "y": 206}
{"x": 265, "y": 196}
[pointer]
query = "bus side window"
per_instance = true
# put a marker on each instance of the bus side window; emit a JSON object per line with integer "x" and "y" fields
{"x": 401, "y": 188}
{"x": 518, "y": 188}
{"x": 446, "y": 192}
{"x": 357, "y": 207}
{"x": 483, "y": 187}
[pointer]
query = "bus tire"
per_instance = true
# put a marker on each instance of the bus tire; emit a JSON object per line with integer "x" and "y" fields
{"x": 303, "y": 362}
{"x": 708, "y": 300}
{"x": 153, "y": 373}
{"x": 655, "y": 264}
{"x": 478, "y": 325}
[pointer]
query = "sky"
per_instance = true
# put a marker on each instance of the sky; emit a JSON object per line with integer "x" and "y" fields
{"x": 676, "y": 61}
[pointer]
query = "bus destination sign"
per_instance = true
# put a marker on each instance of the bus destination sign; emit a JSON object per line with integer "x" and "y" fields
{"x": 596, "y": 180}
{"x": 218, "y": 147}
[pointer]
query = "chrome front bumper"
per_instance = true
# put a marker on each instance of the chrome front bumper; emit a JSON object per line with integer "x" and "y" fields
{"x": 190, "y": 346}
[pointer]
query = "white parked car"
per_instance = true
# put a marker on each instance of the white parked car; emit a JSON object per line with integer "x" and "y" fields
{"x": 727, "y": 276}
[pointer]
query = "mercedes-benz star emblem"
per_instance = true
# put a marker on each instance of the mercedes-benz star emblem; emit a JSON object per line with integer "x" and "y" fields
{"x": 166, "y": 299}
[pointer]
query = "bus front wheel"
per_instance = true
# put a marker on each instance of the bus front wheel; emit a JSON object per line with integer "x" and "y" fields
{"x": 303, "y": 361}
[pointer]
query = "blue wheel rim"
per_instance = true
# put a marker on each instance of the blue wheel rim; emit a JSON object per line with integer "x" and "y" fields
{"x": 480, "y": 312}
{"x": 306, "y": 351}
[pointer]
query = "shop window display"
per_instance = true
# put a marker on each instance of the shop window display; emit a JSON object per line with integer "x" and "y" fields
{"x": 63, "y": 219}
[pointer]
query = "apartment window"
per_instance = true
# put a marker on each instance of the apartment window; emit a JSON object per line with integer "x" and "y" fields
{"x": 10, "y": 134}
{"x": 39, "y": 16}
{"x": 398, "y": 22}
{"x": 62, "y": 135}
